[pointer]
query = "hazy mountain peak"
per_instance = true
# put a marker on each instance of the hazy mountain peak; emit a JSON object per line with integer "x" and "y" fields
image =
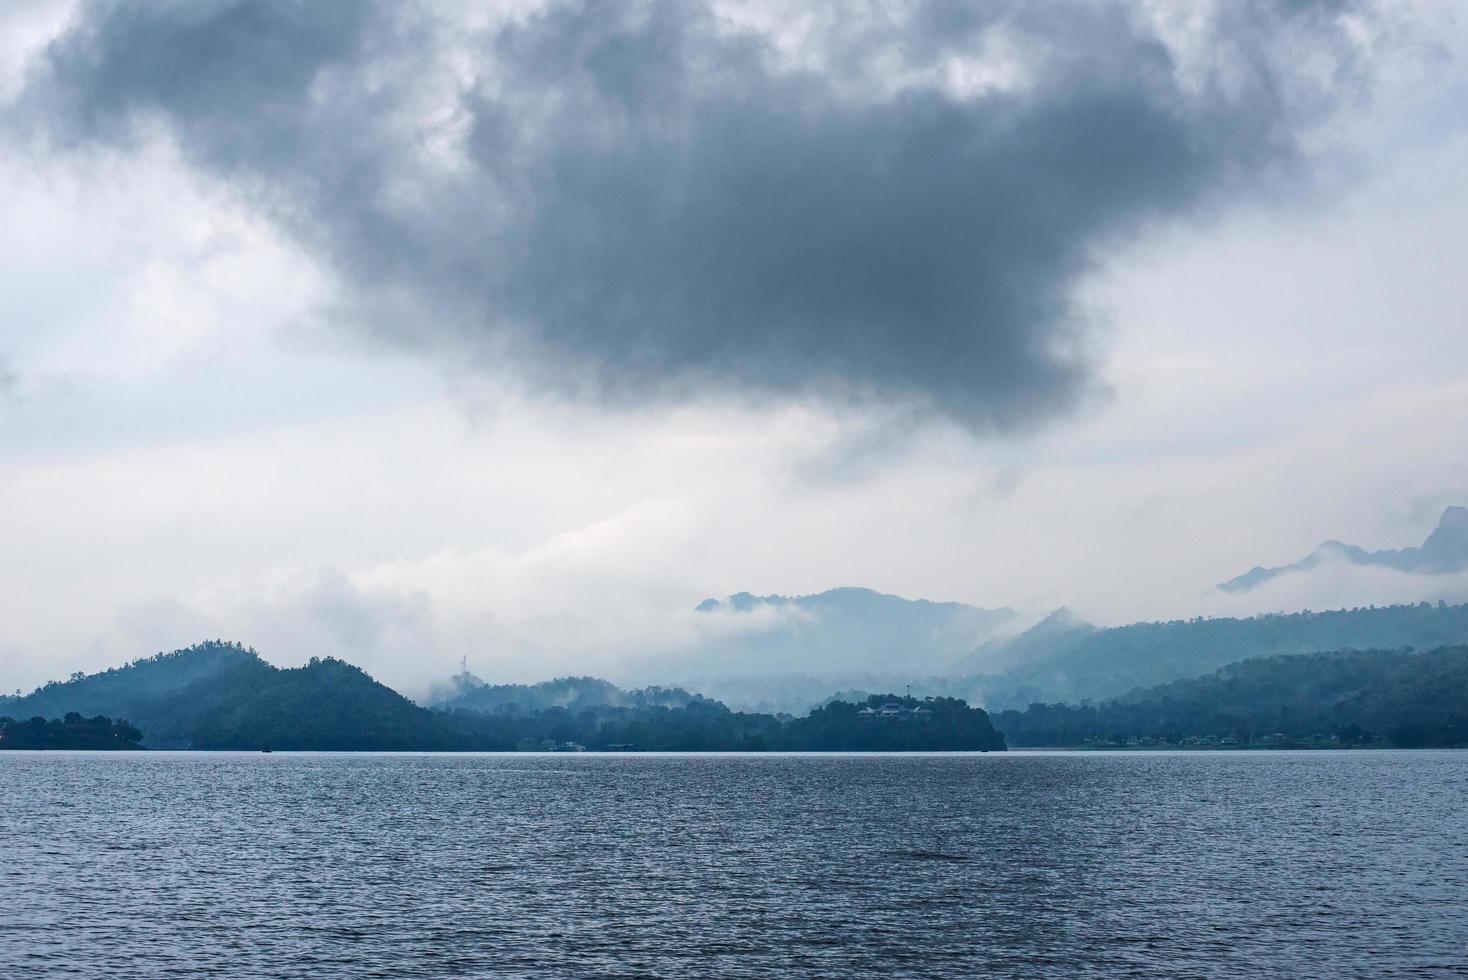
{"x": 841, "y": 595}
{"x": 1448, "y": 543}
{"x": 842, "y": 636}
{"x": 1058, "y": 630}
{"x": 1062, "y": 619}
{"x": 1445, "y": 550}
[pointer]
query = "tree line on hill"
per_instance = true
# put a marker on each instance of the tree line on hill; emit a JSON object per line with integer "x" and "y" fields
{"x": 71, "y": 732}
{"x": 1395, "y": 698}
{"x": 467, "y": 692}
{"x": 944, "y": 724}
{"x": 221, "y": 695}
{"x": 1075, "y": 662}
{"x": 224, "y": 696}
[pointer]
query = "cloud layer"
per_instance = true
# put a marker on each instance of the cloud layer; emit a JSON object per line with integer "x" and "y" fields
{"x": 655, "y": 200}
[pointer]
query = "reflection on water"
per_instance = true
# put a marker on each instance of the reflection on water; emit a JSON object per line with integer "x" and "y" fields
{"x": 1202, "y": 864}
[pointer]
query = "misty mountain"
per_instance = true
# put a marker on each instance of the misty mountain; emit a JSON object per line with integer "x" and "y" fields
{"x": 1342, "y": 697}
{"x": 786, "y": 654}
{"x": 797, "y": 694}
{"x": 1059, "y": 631}
{"x": 1111, "y": 662}
{"x": 849, "y": 630}
{"x": 1444, "y": 551}
{"x": 224, "y": 696}
{"x": 784, "y": 694}
{"x": 469, "y": 693}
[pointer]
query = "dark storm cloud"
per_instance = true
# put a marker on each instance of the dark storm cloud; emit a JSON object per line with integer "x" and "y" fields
{"x": 640, "y": 200}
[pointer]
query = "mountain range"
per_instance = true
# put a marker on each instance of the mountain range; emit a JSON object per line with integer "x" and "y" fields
{"x": 1445, "y": 551}
{"x": 1069, "y": 661}
{"x": 770, "y": 654}
{"x": 851, "y": 629}
{"x": 1056, "y": 633}
{"x": 784, "y": 654}
{"x": 224, "y": 696}
{"x": 1061, "y": 658}
{"x": 1357, "y": 697}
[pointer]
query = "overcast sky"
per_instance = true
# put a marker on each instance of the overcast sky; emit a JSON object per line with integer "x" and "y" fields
{"x": 396, "y": 333}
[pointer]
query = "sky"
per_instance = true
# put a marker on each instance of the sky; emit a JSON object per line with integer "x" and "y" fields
{"x": 403, "y": 332}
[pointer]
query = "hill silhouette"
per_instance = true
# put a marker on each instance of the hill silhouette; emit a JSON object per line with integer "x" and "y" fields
{"x": 1070, "y": 666}
{"x": 1444, "y": 551}
{"x": 218, "y": 695}
{"x": 1349, "y": 697}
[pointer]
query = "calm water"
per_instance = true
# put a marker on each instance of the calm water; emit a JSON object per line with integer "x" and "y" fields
{"x": 1208, "y": 864}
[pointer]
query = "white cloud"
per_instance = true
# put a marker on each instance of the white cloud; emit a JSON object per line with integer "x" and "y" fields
{"x": 1338, "y": 584}
{"x": 191, "y": 453}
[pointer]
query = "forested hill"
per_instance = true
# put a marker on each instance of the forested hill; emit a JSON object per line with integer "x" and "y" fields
{"x": 1374, "y": 697}
{"x": 136, "y": 688}
{"x": 884, "y": 722}
{"x": 223, "y": 696}
{"x": 71, "y": 732}
{"x": 1111, "y": 662}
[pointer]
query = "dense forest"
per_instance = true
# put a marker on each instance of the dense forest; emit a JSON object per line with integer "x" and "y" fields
{"x": 220, "y": 695}
{"x": 1373, "y": 697}
{"x": 932, "y": 724}
{"x": 70, "y": 732}
{"x": 224, "y": 696}
{"x": 1075, "y": 665}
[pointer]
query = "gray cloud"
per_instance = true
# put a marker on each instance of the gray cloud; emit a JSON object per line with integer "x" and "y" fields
{"x": 9, "y": 381}
{"x": 642, "y": 202}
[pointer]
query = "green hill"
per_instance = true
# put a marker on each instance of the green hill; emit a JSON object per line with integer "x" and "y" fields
{"x": 223, "y": 696}
{"x": 1347, "y": 697}
{"x": 1074, "y": 666}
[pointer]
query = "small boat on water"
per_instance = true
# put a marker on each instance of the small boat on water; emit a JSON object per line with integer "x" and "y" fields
{"x": 265, "y": 751}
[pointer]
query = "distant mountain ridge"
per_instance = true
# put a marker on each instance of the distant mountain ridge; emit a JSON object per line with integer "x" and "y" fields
{"x": 848, "y": 629}
{"x": 1444, "y": 551}
{"x": 1335, "y": 698}
{"x": 811, "y": 647}
{"x": 1068, "y": 666}
{"x": 224, "y": 696}
{"x": 1057, "y": 632}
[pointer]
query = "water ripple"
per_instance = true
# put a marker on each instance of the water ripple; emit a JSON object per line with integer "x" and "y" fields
{"x": 1206, "y": 864}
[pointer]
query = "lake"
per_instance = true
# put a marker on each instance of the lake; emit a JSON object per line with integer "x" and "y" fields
{"x": 1018, "y": 864}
